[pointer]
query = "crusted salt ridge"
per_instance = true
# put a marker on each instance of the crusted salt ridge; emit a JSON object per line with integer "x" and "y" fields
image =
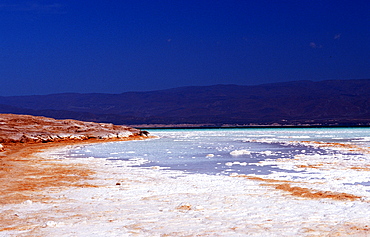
{"x": 26, "y": 128}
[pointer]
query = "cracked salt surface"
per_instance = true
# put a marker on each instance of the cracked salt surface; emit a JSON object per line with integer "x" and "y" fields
{"x": 136, "y": 198}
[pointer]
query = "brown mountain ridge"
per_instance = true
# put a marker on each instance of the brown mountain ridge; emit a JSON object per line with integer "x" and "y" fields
{"x": 331, "y": 102}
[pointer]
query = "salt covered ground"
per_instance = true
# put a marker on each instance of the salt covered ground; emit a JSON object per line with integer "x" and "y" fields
{"x": 117, "y": 199}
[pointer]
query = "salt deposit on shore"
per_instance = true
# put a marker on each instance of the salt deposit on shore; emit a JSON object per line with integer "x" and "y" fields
{"x": 122, "y": 200}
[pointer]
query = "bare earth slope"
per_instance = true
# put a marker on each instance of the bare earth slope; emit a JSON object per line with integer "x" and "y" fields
{"x": 26, "y": 129}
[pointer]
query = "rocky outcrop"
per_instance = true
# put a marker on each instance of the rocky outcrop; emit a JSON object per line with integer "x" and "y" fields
{"x": 26, "y": 129}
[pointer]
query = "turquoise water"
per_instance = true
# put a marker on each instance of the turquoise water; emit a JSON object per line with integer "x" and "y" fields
{"x": 226, "y": 151}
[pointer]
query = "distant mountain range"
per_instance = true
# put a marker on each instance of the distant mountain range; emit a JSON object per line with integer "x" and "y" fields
{"x": 333, "y": 102}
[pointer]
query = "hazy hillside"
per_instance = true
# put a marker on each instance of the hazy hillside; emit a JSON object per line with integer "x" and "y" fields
{"x": 328, "y": 102}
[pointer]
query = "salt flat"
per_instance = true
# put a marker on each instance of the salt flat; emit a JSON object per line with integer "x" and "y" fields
{"x": 120, "y": 200}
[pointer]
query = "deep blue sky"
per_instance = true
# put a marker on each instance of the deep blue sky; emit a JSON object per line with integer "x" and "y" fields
{"x": 137, "y": 45}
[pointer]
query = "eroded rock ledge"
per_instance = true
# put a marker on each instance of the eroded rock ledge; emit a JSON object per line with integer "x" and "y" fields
{"x": 34, "y": 129}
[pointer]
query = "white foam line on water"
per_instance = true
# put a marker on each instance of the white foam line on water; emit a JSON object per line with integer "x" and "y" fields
{"x": 155, "y": 202}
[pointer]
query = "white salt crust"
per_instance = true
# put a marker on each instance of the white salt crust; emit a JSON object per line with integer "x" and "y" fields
{"x": 157, "y": 202}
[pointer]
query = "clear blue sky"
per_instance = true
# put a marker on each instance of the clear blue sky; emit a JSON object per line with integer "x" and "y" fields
{"x": 138, "y": 45}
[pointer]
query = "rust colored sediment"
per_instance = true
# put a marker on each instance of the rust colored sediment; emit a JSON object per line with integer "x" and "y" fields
{"x": 305, "y": 192}
{"x": 315, "y": 194}
{"x": 264, "y": 180}
{"x": 316, "y": 166}
{"x": 23, "y": 175}
{"x": 361, "y": 168}
{"x": 349, "y": 147}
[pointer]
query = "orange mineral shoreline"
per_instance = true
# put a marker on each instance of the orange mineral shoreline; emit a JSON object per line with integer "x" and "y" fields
{"x": 304, "y": 192}
{"x": 23, "y": 173}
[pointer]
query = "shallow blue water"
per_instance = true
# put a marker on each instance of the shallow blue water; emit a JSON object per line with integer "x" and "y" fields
{"x": 211, "y": 150}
